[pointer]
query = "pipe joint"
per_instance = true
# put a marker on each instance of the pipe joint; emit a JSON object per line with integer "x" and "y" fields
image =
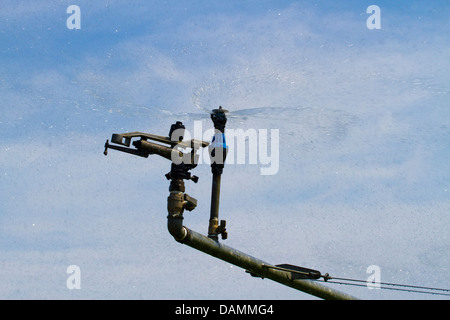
{"x": 176, "y": 228}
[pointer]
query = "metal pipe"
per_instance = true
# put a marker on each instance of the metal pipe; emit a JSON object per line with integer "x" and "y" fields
{"x": 215, "y": 199}
{"x": 249, "y": 263}
{"x": 175, "y": 227}
{"x": 153, "y": 148}
{"x": 218, "y": 153}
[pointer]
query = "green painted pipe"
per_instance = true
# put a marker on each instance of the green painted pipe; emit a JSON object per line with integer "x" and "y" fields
{"x": 249, "y": 263}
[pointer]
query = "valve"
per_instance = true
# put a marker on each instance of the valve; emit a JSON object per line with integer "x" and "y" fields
{"x": 179, "y": 201}
{"x": 222, "y": 230}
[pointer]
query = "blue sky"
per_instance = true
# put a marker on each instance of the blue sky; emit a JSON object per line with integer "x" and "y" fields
{"x": 364, "y": 154}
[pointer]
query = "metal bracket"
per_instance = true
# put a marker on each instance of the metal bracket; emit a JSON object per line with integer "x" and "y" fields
{"x": 296, "y": 272}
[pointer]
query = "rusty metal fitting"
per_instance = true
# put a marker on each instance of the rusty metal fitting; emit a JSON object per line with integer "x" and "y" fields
{"x": 222, "y": 230}
{"x": 175, "y": 203}
{"x": 212, "y": 229}
{"x": 215, "y": 229}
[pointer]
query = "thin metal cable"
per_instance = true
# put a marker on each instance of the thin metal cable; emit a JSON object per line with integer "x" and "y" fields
{"x": 379, "y": 285}
{"x": 395, "y": 284}
{"x": 403, "y": 287}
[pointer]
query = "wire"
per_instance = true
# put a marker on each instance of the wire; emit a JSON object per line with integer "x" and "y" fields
{"x": 389, "y": 286}
{"x": 316, "y": 275}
